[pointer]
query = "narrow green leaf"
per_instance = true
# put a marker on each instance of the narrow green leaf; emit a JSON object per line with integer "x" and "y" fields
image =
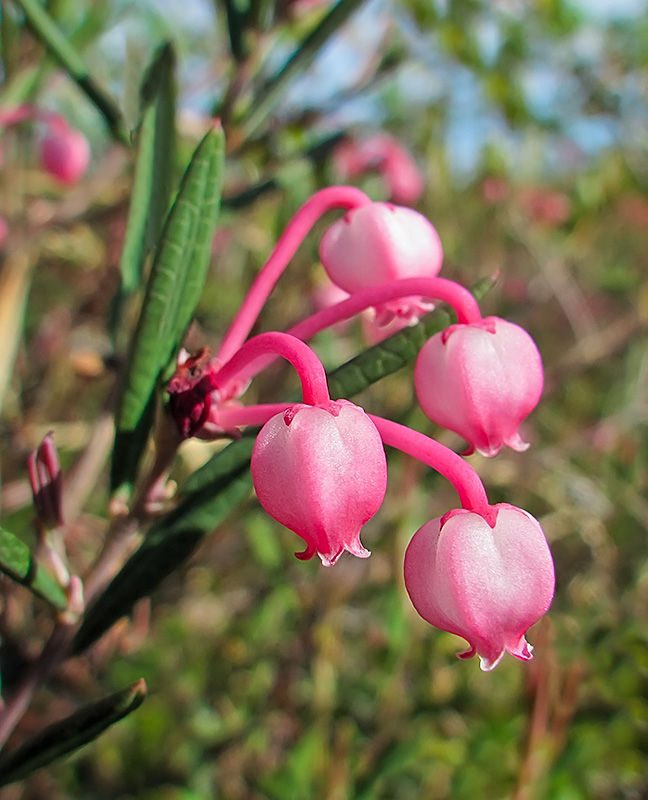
{"x": 271, "y": 93}
{"x": 17, "y": 561}
{"x": 69, "y": 734}
{"x": 236, "y": 29}
{"x": 226, "y": 482}
{"x": 60, "y": 48}
{"x": 151, "y": 194}
{"x": 176, "y": 280}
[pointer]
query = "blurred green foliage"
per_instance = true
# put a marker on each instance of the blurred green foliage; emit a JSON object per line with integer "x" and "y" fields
{"x": 272, "y": 679}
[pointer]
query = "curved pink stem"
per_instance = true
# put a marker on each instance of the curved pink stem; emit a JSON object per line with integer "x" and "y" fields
{"x": 311, "y": 372}
{"x": 453, "y": 467}
{"x": 457, "y": 296}
{"x": 333, "y": 197}
{"x": 229, "y": 418}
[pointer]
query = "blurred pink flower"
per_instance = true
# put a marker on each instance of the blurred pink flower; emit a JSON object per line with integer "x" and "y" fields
{"x": 480, "y": 381}
{"x": 321, "y": 471}
{"x": 64, "y": 153}
{"x": 488, "y": 585}
{"x": 4, "y": 230}
{"x": 545, "y": 206}
{"x": 385, "y": 154}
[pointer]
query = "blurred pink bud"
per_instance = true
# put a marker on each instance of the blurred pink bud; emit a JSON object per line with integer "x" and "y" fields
{"x": 480, "y": 381}
{"x": 4, "y": 230}
{"x": 378, "y": 243}
{"x": 321, "y": 471}
{"x": 544, "y": 206}
{"x": 389, "y": 157}
{"x": 488, "y": 585}
{"x": 65, "y": 153}
{"x": 46, "y": 482}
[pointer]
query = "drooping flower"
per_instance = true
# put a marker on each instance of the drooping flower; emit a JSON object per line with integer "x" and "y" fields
{"x": 321, "y": 471}
{"x": 64, "y": 153}
{"x": 379, "y": 243}
{"x": 480, "y": 380}
{"x": 488, "y": 585}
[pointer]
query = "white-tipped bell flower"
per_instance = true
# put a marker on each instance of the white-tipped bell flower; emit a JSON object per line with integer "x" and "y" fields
{"x": 488, "y": 585}
{"x": 321, "y": 471}
{"x": 480, "y": 381}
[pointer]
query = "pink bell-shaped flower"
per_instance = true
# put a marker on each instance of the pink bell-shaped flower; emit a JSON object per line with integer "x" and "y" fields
{"x": 64, "y": 153}
{"x": 480, "y": 381}
{"x": 488, "y": 585}
{"x": 321, "y": 471}
{"x": 378, "y": 243}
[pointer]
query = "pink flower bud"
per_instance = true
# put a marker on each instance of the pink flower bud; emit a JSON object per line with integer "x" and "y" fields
{"x": 46, "y": 482}
{"x": 65, "y": 154}
{"x": 321, "y": 471}
{"x": 378, "y": 243}
{"x": 486, "y": 584}
{"x": 480, "y": 381}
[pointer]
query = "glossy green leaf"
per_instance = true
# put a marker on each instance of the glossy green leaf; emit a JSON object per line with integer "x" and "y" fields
{"x": 67, "y": 735}
{"x": 17, "y": 561}
{"x": 152, "y": 185}
{"x": 58, "y": 44}
{"x": 176, "y": 280}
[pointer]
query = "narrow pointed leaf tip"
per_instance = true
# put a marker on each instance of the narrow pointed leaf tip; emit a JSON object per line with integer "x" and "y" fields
{"x": 67, "y": 735}
{"x": 17, "y": 562}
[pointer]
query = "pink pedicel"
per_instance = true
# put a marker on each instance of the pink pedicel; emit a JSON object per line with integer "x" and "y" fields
{"x": 378, "y": 243}
{"x": 64, "y": 153}
{"x": 480, "y": 381}
{"x": 321, "y": 471}
{"x": 488, "y": 585}
{"x": 385, "y": 154}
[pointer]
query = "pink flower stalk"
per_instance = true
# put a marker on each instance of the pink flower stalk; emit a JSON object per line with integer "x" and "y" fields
{"x": 4, "y": 231}
{"x": 46, "y": 482}
{"x": 384, "y": 153}
{"x": 345, "y": 197}
{"x": 64, "y": 152}
{"x": 480, "y": 381}
{"x": 486, "y": 584}
{"x": 379, "y": 243}
{"x": 458, "y": 297}
{"x": 321, "y": 471}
